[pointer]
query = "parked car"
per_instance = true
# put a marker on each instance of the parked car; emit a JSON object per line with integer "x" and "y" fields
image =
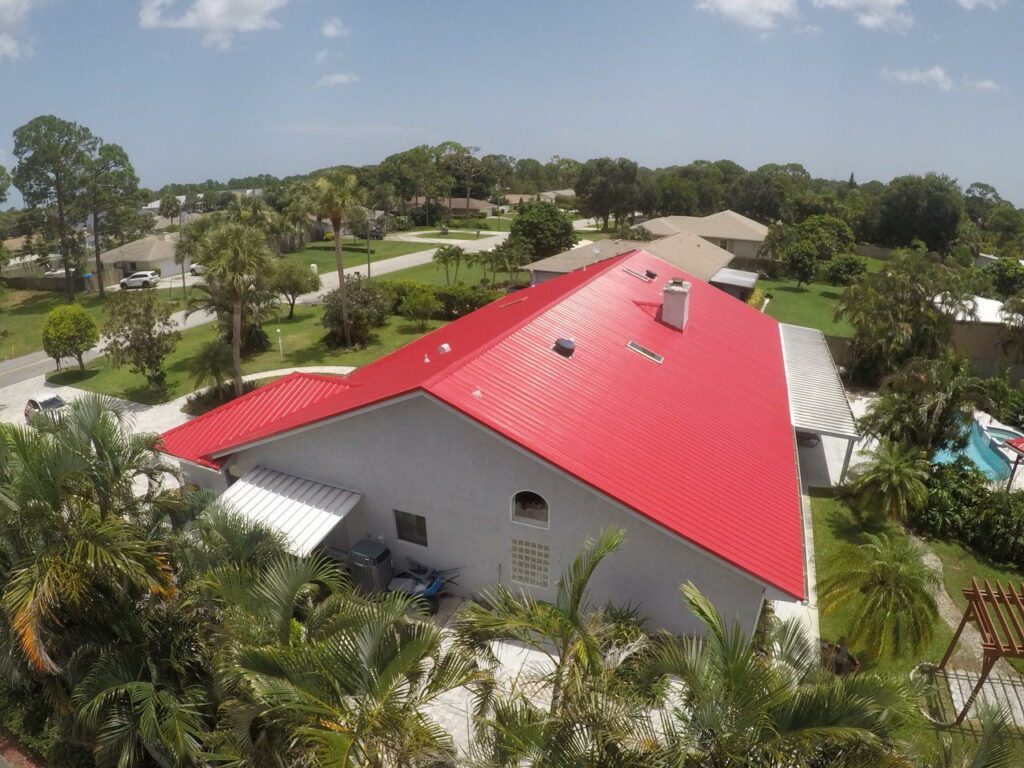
{"x": 197, "y": 269}
{"x": 46, "y": 402}
{"x": 140, "y": 280}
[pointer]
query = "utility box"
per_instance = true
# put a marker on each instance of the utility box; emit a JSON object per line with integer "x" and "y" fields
{"x": 371, "y": 565}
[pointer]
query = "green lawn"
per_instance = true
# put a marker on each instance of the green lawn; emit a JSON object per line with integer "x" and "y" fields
{"x": 811, "y": 305}
{"x": 22, "y": 314}
{"x": 353, "y": 253}
{"x": 835, "y": 527}
{"x": 429, "y": 273}
{"x": 435, "y": 234}
{"x": 303, "y": 346}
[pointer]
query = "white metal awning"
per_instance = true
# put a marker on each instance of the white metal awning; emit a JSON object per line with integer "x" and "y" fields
{"x": 817, "y": 398}
{"x": 303, "y": 511}
{"x": 735, "y": 277}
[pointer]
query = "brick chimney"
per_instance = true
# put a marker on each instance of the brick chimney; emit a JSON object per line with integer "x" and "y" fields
{"x": 675, "y": 306}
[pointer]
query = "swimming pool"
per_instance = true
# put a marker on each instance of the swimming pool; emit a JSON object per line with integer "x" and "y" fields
{"x": 981, "y": 449}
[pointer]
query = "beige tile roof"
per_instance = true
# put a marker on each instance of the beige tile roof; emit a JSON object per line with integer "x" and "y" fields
{"x": 683, "y": 250}
{"x": 725, "y": 225}
{"x": 457, "y": 203}
{"x": 149, "y": 249}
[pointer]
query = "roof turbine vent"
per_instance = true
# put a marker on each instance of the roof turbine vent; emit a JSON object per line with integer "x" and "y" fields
{"x": 565, "y": 347}
{"x": 444, "y": 349}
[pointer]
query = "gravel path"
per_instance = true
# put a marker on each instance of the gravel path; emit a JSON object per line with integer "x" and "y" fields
{"x": 967, "y": 655}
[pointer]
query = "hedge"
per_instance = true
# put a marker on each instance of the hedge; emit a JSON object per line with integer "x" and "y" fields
{"x": 964, "y": 507}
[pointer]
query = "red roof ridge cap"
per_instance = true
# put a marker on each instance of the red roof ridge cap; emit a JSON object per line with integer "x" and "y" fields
{"x": 604, "y": 266}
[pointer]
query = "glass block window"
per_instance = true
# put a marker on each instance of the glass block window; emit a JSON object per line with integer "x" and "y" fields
{"x": 530, "y": 563}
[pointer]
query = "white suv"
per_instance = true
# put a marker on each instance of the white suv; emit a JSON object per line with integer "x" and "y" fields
{"x": 140, "y": 280}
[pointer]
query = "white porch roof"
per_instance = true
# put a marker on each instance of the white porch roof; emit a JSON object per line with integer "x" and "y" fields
{"x": 305, "y": 512}
{"x": 817, "y": 398}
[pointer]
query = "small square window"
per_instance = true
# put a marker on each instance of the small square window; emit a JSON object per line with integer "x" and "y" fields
{"x": 529, "y": 563}
{"x": 411, "y": 528}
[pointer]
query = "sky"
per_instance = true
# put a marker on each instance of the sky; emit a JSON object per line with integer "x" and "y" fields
{"x": 198, "y": 89}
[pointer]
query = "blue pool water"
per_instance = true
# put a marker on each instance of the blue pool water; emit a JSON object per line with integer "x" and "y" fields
{"x": 981, "y": 451}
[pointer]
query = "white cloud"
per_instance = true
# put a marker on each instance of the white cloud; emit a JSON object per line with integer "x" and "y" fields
{"x": 757, "y": 14}
{"x": 322, "y": 56}
{"x": 333, "y": 28}
{"x": 218, "y": 20}
{"x": 970, "y": 5}
{"x": 13, "y": 14}
{"x": 890, "y": 15}
{"x": 982, "y": 85}
{"x": 338, "y": 78}
{"x": 937, "y": 77}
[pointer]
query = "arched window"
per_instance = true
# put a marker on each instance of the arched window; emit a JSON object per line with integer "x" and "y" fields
{"x": 530, "y": 508}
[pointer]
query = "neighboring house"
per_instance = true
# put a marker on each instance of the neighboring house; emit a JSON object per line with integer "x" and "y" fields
{"x": 154, "y": 207}
{"x": 456, "y": 206}
{"x": 628, "y": 395}
{"x": 683, "y": 250}
{"x": 518, "y": 198}
{"x": 983, "y": 260}
{"x": 155, "y": 252}
{"x": 991, "y": 338}
{"x": 14, "y": 244}
{"x": 552, "y": 196}
{"x": 728, "y": 230}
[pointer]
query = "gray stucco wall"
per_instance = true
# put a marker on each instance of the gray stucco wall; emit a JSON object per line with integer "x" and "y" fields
{"x": 419, "y": 456}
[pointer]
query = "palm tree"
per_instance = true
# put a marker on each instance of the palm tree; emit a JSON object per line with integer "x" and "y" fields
{"x": 447, "y": 256}
{"x": 236, "y": 256}
{"x": 889, "y": 589}
{"x": 212, "y": 364}
{"x": 75, "y": 552}
{"x": 334, "y": 196}
{"x": 351, "y": 683}
{"x": 146, "y": 698}
{"x": 728, "y": 704}
{"x": 564, "y": 631}
{"x": 894, "y": 482}
{"x": 188, "y": 248}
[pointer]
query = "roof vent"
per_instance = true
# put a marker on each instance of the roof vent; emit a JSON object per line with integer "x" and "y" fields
{"x": 565, "y": 347}
{"x": 444, "y": 349}
{"x": 426, "y": 358}
{"x": 651, "y": 274}
{"x": 653, "y": 356}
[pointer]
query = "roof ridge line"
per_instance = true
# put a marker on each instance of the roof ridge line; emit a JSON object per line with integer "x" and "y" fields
{"x": 605, "y": 266}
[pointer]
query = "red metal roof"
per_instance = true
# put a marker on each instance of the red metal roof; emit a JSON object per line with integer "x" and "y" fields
{"x": 700, "y": 444}
{"x": 239, "y": 420}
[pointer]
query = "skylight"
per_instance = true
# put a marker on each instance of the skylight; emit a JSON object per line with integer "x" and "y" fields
{"x": 654, "y": 356}
{"x": 637, "y": 275}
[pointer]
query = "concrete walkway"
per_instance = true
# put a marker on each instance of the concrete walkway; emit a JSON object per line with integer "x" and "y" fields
{"x": 485, "y": 242}
{"x": 35, "y": 364}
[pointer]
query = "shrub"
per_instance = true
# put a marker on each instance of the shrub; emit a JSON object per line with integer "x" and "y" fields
{"x": 395, "y": 291}
{"x": 757, "y": 298}
{"x": 420, "y": 305}
{"x": 844, "y": 269}
{"x": 955, "y": 494}
{"x": 69, "y": 332}
{"x": 368, "y": 307}
{"x": 399, "y": 223}
{"x": 460, "y": 299}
